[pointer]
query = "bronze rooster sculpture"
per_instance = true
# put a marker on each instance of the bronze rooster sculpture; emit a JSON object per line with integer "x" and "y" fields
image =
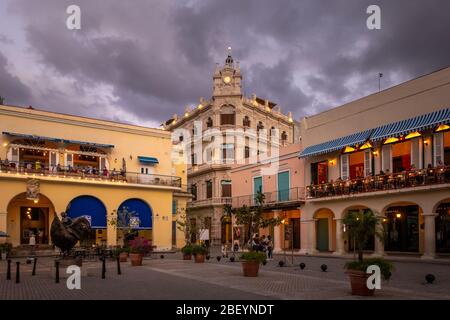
{"x": 67, "y": 232}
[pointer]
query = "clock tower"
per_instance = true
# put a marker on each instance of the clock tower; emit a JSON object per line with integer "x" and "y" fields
{"x": 228, "y": 79}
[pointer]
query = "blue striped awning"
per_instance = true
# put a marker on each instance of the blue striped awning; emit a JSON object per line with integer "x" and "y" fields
{"x": 30, "y": 136}
{"x": 336, "y": 144}
{"x": 418, "y": 123}
{"x": 90, "y": 144}
{"x": 148, "y": 160}
{"x": 35, "y": 137}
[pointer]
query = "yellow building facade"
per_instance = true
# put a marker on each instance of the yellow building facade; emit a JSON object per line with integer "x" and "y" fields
{"x": 53, "y": 163}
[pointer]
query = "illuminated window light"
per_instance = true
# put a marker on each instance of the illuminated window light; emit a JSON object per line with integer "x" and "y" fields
{"x": 391, "y": 140}
{"x": 413, "y": 135}
{"x": 366, "y": 145}
{"x": 349, "y": 149}
{"x": 442, "y": 127}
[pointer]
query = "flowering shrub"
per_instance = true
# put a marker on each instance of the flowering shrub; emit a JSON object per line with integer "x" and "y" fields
{"x": 139, "y": 245}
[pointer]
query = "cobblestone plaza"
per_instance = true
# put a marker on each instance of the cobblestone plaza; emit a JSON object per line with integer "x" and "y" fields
{"x": 175, "y": 279}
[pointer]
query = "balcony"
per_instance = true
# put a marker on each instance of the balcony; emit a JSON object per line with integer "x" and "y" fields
{"x": 404, "y": 181}
{"x": 207, "y": 167}
{"x": 276, "y": 199}
{"x": 209, "y": 202}
{"x": 89, "y": 175}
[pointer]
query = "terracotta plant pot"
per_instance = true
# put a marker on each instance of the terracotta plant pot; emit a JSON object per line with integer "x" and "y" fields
{"x": 123, "y": 256}
{"x": 358, "y": 282}
{"x": 136, "y": 259}
{"x": 250, "y": 268}
{"x": 187, "y": 256}
{"x": 199, "y": 258}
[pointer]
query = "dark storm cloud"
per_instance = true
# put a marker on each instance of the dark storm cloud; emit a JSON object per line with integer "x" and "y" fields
{"x": 11, "y": 88}
{"x": 158, "y": 56}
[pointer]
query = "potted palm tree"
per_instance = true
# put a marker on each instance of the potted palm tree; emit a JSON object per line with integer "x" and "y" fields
{"x": 187, "y": 251}
{"x": 361, "y": 226}
{"x": 123, "y": 254}
{"x": 253, "y": 218}
{"x": 139, "y": 246}
{"x": 199, "y": 253}
{"x": 251, "y": 261}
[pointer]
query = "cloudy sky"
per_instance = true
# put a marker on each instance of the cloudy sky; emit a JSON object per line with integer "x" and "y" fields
{"x": 142, "y": 61}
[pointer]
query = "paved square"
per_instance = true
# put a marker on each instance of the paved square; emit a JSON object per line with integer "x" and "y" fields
{"x": 173, "y": 278}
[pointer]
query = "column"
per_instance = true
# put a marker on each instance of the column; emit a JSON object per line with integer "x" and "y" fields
{"x": 111, "y": 230}
{"x": 430, "y": 236}
{"x": 3, "y": 225}
{"x": 308, "y": 236}
{"x": 340, "y": 250}
{"x": 277, "y": 234}
{"x": 379, "y": 244}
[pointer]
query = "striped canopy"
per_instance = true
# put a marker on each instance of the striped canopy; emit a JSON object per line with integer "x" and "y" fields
{"x": 422, "y": 122}
{"x": 336, "y": 144}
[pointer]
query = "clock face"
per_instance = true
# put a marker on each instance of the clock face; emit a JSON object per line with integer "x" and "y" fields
{"x": 227, "y": 79}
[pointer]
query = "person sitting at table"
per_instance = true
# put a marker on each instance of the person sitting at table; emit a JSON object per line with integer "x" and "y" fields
{"x": 114, "y": 173}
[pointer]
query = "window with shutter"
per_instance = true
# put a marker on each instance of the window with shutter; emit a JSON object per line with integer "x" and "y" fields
{"x": 367, "y": 163}
{"x": 15, "y": 154}
{"x": 226, "y": 188}
{"x": 69, "y": 159}
{"x": 438, "y": 148}
{"x": 344, "y": 167}
{"x": 386, "y": 158}
{"x": 209, "y": 189}
{"x": 52, "y": 159}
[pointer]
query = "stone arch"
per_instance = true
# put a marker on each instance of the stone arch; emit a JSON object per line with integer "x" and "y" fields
{"x": 442, "y": 226}
{"x": 142, "y": 213}
{"x": 89, "y": 206}
{"x": 95, "y": 211}
{"x": 325, "y": 225}
{"x": 404, "y": 225}
{"x": 26, "y": 216}
{"x": 142, "y": 209}
{"x": 349, "y": 246}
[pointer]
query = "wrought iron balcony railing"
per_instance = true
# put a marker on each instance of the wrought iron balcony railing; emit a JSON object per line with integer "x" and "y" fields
{"x": 273, "y": 198}
{"x": 381, "y": 182}
{"x": 210, "y": 201}
{"x": 88, "y": 174}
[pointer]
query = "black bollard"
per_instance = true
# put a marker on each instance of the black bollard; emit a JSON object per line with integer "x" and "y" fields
{"x": 57, "y": 271}
{"x": 17, "y": 272}
{"x": 8, "y": 270}
{"x": 118, "y": 266}
{"x": 103, "y": 267}
{"x": 1, "y": 255}
{"x": 34, "y": 267}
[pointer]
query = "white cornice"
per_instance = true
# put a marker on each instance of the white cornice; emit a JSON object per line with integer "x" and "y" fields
{"x": 96, "y": 124}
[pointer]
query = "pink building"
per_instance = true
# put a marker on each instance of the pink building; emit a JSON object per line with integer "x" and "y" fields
{"x": 283, "y": 188}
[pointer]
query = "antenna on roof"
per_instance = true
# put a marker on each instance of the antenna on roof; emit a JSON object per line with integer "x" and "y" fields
{"x": 380, "y": 75}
